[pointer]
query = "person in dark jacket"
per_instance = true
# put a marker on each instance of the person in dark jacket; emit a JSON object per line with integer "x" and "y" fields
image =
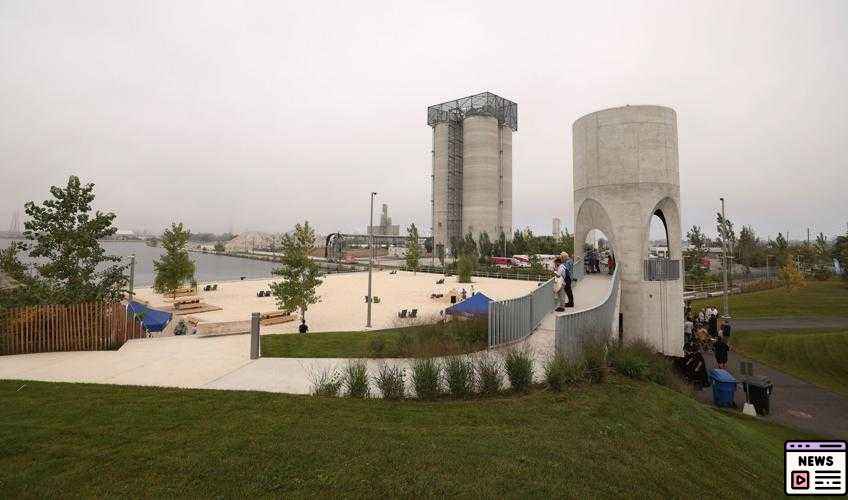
{"x": 713, "y": 325}
{"x": 303, "y": 328}
{"x": 721, "y": 348}
{"x": 725, "y": 328}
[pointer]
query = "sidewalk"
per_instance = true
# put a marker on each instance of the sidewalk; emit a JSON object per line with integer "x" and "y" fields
{"x": 222, "y": 362}
{"x": 794, "y": 403}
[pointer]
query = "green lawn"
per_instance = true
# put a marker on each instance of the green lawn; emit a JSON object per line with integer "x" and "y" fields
{"x": 818, "y": 298}
{"x": 814, "y": 356}
{"x": 425, "y": 339}
{"x": 622, "y": 438}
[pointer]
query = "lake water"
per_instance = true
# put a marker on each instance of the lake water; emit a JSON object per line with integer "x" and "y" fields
{"x": 209, "y": 267}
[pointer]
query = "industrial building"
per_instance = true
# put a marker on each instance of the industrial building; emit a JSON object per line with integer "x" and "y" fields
{"x": 472, "y": 167}
{"x": 386, "y": 228}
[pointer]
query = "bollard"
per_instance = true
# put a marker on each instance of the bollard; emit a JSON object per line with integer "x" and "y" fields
{"x": 254, "y": 336}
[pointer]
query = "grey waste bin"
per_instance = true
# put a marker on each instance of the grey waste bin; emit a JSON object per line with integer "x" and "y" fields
{"x": 759, "y": 390}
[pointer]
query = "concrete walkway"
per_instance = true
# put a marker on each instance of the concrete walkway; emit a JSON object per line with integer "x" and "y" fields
{"x": 794, "y": 403}
{"x": 223, "y": 362}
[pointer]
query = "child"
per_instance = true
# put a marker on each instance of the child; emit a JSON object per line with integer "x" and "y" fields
{"x": 721, "y": 348}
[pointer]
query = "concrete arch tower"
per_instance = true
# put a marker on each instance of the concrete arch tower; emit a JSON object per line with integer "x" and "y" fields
{"x": 625, "y": 172}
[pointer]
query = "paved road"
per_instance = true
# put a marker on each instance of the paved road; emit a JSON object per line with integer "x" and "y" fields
{"x": 790, "y": 323}
{"x": 794, "y": 402}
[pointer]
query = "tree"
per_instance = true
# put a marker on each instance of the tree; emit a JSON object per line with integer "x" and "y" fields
{"x": 822, "y": 249}
{"x": 464, "y": 268}
{"x": 486, "y": 247}
{"x": 748, "y": 249}
{"x": 62, "y": 237}
{"x": 693, "y": 257}
{"x": 780, "y": 247}
{"x": 440, "y": 254}
{"x": 12, "y": 265}
{"x": 301, "y": 275}
{"x": 220, "y": 248}
{"x": 469, "y": 247}
{"x": 840, "y": 253}
{"x": 174, "y": 267}
{"x": 413, "y": 249}
{"x": 790, "y": 276}
{"x": 536, "y": 266}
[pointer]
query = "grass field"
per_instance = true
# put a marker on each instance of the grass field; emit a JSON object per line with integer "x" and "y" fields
{"x": 818, "y": 298}
{"x": 426, "y": 339}
{"x": 814, "y": 356}
{"x": 622, "y": 438}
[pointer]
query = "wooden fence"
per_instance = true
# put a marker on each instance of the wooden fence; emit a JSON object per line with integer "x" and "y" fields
{"x": 79, "y": 327}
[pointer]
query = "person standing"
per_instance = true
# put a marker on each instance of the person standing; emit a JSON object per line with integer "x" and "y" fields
{"x": 725, "y": 328}
{"x": 566, "y": 282}
{"x": 611, "y": 263}
{"x": 721, "y": 348}
{"x": 560, "y": 285}
{"x": 713, "y": 328}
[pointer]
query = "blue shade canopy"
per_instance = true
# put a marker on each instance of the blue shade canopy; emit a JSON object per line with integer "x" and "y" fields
{"x": 153, "y": 320}
{"x": 476, "y": 305}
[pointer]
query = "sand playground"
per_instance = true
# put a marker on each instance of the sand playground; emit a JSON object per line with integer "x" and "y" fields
{"x": 342, "y": 306}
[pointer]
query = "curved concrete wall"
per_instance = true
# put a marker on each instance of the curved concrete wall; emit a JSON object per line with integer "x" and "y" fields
{"x": 480, "y": 179}
{"x": 625, "y": 169}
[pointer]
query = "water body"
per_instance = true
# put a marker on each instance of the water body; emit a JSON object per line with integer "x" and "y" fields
{"x": 209, "y": 267}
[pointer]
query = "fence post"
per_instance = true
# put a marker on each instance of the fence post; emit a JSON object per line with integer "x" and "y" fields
{"x": 254, "y": 336}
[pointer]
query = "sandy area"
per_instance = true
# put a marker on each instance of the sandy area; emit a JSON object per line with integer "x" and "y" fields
{"x": 342, "y": 306}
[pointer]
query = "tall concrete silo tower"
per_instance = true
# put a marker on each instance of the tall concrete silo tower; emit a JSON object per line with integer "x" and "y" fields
{"x": 472, "y": 167}
{"x": 625, "y": 172}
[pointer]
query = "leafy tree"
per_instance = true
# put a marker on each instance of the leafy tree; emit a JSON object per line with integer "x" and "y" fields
{"x": 464, "y": 268}
{"x": 502, "y": 245}
{"x": 440, "y": 254}
{"x": 519, "y": 246}
{"x": 220, "y": 248}
{"x": 749, "y": 251}
{"x": 469, "y": 247}
{"x": 174, "y": 267}
{"x": 822, "y": 249}
{"x": 413, "y": 250}
{"x": 790, "y": 276}
{"x": 301, "y": 275}
{"x": 11, "y": 265}
{"x": 536, "y": 266}
{"x": 62, "y": 236}
{"x": 487, "y": 248}
{"x": 780, "y": 248}
{"x": 693, "y": 257}
{"x": 840, "y": 253}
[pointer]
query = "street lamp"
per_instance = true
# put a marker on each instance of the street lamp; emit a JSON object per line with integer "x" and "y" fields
{"x": 724, "y": 256}
{"x": 370, "y": 258}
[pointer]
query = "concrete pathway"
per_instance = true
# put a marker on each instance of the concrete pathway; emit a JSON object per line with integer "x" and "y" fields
{"x": 794, "y": 402}
{"x": 790, "y": 323}
{"x": 223, "y": 362}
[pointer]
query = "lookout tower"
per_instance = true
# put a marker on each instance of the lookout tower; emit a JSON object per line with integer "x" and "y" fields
{"x": 626, "y": 172}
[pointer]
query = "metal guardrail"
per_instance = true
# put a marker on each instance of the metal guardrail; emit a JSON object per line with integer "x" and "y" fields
{"x": 661, "y": 269}
{"x": 513, "y": 320}
{"x": 483, "y": 274}
{"x": 573, "y": 331}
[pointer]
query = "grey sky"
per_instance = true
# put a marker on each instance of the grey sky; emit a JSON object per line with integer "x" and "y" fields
{"x": 251, "y": 115}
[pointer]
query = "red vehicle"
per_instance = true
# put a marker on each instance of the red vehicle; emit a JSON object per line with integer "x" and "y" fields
{"x": 501, "y": 261}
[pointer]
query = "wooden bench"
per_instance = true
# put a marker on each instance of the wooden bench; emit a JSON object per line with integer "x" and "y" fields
{"x": 187, "y": 303}
{"x": 275, "y": 318}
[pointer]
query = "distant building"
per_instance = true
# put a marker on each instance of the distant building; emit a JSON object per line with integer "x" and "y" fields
{"x": 125, "y": 234}
{"x": 385, "y": 228}
{"x": 556, "y": 231}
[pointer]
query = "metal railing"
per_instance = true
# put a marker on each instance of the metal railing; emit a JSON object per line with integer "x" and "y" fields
{"x": 573, "y": 331}
{"x": 662, "y": 269}
{"x": 513, "y": 320}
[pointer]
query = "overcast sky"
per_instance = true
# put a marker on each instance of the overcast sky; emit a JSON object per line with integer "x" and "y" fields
{"x": 254, "y": 115}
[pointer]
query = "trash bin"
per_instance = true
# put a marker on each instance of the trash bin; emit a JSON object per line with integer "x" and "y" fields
{"x": 724, "y": 388}
{"x": 759, "y": 391}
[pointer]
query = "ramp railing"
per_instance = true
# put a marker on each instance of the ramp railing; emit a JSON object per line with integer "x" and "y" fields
{"x": 574, "y": 331}
{"x": 513, "y": 320}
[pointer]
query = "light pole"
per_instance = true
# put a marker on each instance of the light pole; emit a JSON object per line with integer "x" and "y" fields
{"x": 370, "y": 257}
{"x": 724, "y": 254}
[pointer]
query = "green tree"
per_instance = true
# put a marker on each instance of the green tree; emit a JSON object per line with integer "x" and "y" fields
{"x": 465, "y": 268}
{"x": 62, "y": 237}
{"x": 748, "y": 249}
{"x": 780, "y": 248}
{"x": 174, "y": 267}
{"x": 469, "y": 247}
{"x": 840, "y": 253}
{"x": 822, "y": 249}
{"x": 11, "y": 264}
{"x": 694, "y": 255}
{"x": 487, "y": 248}
{"x": 220, "y": 248}
{"x": 301, "y": 275}
{"x": 536, "y": 266}
{"x": 413, "y": 248}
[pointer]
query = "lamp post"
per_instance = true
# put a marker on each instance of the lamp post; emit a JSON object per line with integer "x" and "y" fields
{"x": 724, "y": 255}
{"x": 370, "y": 258}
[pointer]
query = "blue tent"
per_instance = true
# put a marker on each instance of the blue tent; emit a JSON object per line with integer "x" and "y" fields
{"x": 476, "y": 305}
{"x": 153, "y": 320}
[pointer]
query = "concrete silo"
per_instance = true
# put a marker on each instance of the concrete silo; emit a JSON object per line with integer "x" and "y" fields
{"x": 472, "y": 167}
{"x": 625, "y": 172}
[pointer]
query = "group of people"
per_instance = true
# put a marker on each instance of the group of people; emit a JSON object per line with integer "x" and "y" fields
{"x": 709, "y": 332}
{"x": 565, "y": 272}
{"x": 593, "y": 262}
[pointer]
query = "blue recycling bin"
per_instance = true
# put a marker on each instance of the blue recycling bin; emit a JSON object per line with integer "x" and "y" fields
{"x": 724, "y": 387}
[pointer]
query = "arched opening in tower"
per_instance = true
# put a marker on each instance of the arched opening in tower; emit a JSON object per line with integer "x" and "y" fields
{"x": 598, "y": 253}
{"x": 658, "y": 241}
